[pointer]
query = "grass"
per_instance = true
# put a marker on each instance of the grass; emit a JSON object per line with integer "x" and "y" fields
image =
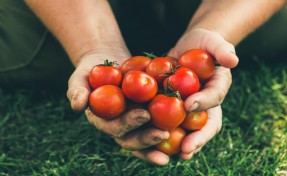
{"x": 40, "y": 135}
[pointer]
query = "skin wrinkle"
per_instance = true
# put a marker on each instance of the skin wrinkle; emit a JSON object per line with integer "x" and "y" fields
{"x": 117, "y": 131}
{"x": 221, "y": 95}
{"x": 143, "y": 140}
{"x": 119, "y": 127}
{"x": 79, "y": 101}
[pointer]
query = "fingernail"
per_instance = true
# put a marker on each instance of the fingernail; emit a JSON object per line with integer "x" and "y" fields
{"x": 156, "y": 139}
{"x": 142, "y": 120}
{"x": 194, "y": 106}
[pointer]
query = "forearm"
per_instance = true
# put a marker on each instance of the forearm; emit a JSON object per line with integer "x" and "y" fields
{"x": 234, "y": 19}
{"x": 81, "y": 26}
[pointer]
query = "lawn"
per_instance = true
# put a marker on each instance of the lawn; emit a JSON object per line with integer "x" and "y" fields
{"x": 41, "y": 135}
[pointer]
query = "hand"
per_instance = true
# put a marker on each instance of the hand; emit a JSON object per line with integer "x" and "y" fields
{"x": 213, "y": 42}
{"x": 218, "y": 85}
{"x": 123, "y": 128}
{"x": 78, "y": 85}
{"x": 191, "y": 144}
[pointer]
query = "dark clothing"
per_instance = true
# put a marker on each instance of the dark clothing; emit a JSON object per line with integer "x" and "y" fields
{"x": 30, "y": 55}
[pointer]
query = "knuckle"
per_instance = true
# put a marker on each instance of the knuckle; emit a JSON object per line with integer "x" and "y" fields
{"x": 226, "y": 73}
{"x": 122, "y": 142}
{"x": 134, "y": 114}
{"x": 69, "y": 93}
{"x": 146, "y": 142}
{"x": 150, "y": 136}
{"x": 220, "y": 96}
{"x": 134, "y": 119}
{"x": 229, "y": 77}
{"x": 116, "y": 132}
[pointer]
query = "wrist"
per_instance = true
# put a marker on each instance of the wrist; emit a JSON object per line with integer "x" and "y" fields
{"x": 111, "y": 51}
{"x": 219, "y": 28}
{"x": 234, "y": 20}
{"x": 96, "y": 46}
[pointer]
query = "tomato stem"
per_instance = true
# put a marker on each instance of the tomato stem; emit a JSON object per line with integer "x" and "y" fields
{"x": 108, "y": 63}
{"x": 172, "y": 71}
{"x": 170, "y": 92}
{"x": 150, "y": 55}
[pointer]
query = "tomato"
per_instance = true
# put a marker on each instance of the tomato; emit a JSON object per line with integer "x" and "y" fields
{"x": 135, "y": 63}
{"x": 183, "y": 80}
{"x": 107, "y": 102}
{"x": 166, "y": 112}
{"x": 195, "y": 120}
{"x": 200, "y": 61}
{"x": 105, "y": 74}
{"x": 139, "y": 87}
{"x": 172, "y": 145}
{"x": 159, "y": 66}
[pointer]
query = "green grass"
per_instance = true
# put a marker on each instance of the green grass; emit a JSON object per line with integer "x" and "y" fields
{"x": 41, "y": 135}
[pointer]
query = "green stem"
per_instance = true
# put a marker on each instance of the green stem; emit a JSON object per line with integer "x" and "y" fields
{"x": 108, "y": 63}
{"x": 150, "y": 55}
{"x": 170, "y": 92}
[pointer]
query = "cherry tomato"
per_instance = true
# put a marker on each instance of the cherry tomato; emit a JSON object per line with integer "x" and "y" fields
{"x": 158, "y": 67}
{"x": 200, "y": 61}
{"x": 195, "y": 120}
{"x": 183, "y": 80}
{"x": 135, "y": 63}
{"x": 172, "y": 145}
{"x": 107, "y": 102}
{"x": 139, "y": 87}
{"x": 166, "y": 112}
{"x": 105, "y": 74}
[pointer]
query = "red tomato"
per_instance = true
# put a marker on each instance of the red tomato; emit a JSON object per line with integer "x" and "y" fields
{"x": 159, "y": 66}
{"x": 107, "y": 102}
{"x": 166, "y": 112}
{"x": 183, "y": 80}
{"x": 105, "y": 74}
{"x": 139, "y": 87}
{"x": 135, "y": 63}
{"x": 200, "y": 61}
{"x": 195, "y": 120}
{"x": 172, "y": 145}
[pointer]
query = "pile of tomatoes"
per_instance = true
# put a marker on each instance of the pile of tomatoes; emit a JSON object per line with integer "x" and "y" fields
{"x": 159, "y": 84}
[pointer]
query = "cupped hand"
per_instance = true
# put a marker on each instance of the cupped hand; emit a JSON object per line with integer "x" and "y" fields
{"x": 191, "y": 144}
{"x": 215, "y": 89}
{"x": 213, "y": 42}
{"x": 78, "y": 85}
{"x": 123, "y": 129}
{"x": 194, "y": 141}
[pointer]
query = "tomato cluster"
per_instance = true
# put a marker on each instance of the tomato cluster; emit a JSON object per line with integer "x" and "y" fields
{"x": 163, "y": 83}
